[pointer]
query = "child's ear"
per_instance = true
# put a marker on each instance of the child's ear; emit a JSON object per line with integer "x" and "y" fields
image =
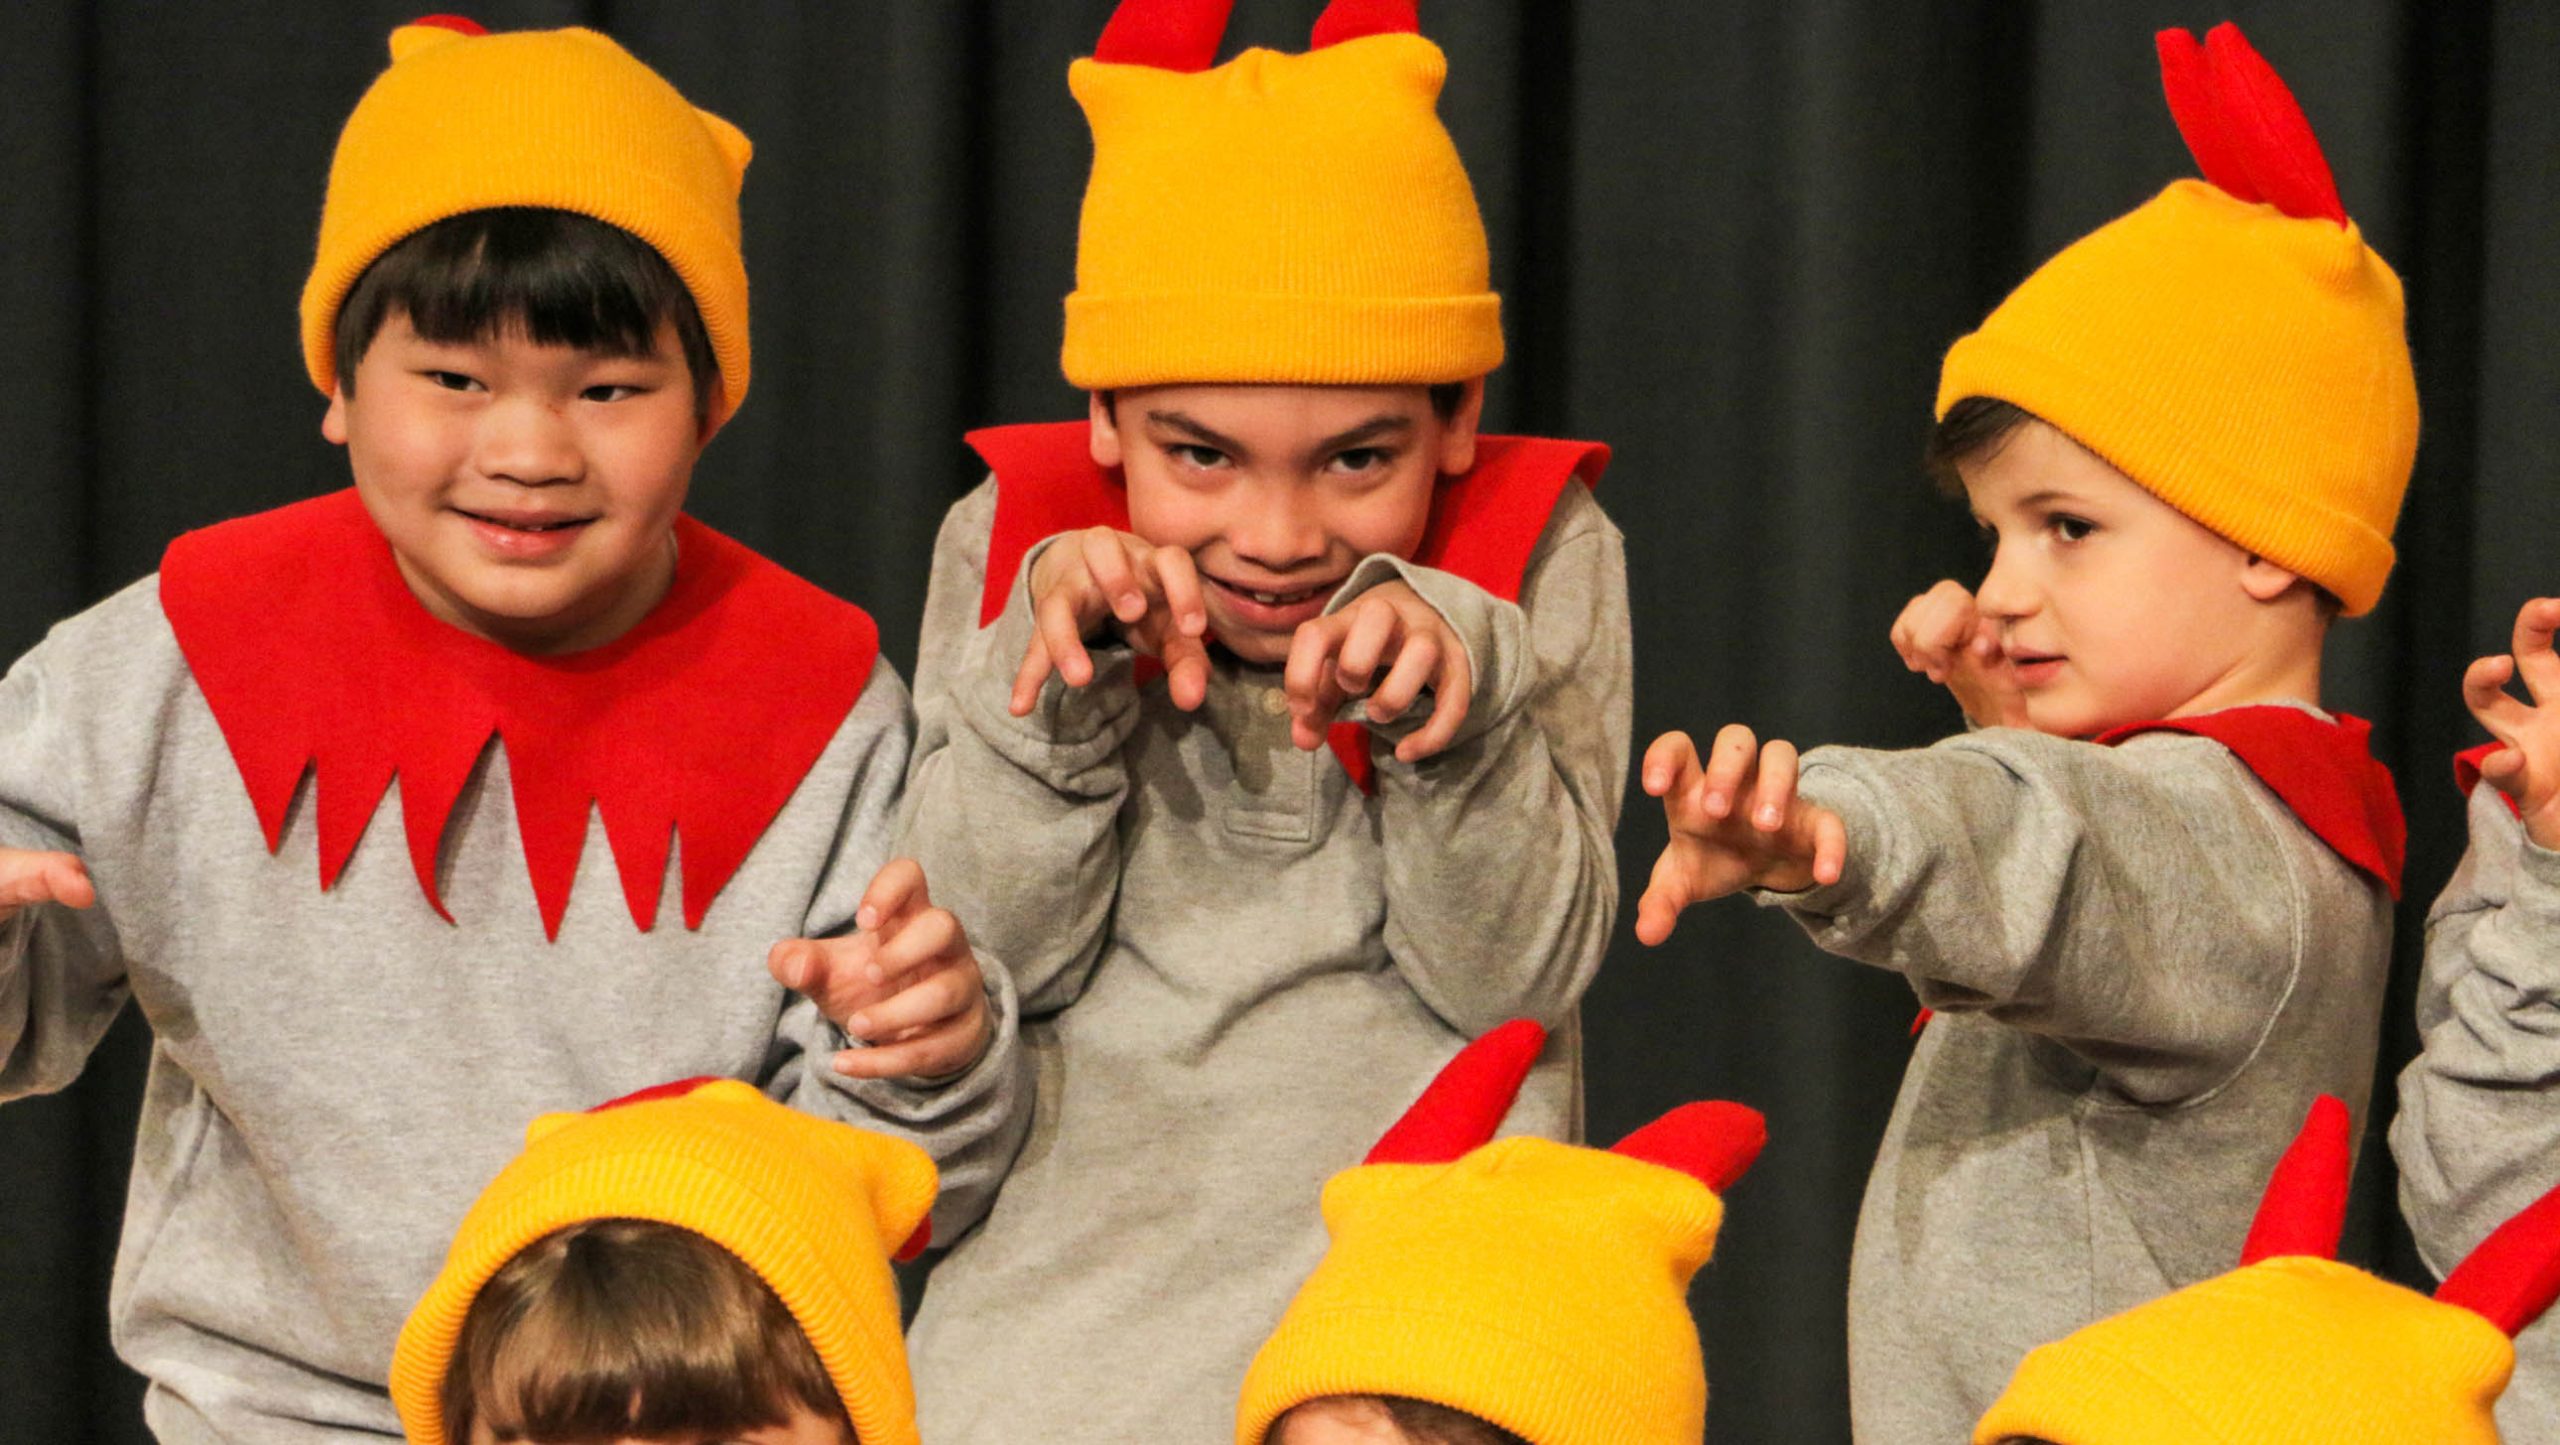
{"x": 2264, "y": 581}
{"x": 1458, "y": 433}
{"x": 333, "y": 422}
{"x": 1106, "y": 430}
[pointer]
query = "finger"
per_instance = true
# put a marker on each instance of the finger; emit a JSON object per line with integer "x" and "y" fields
{"x": 1178, "y": 580}
{"x": 932, "y": 938}
{"x": 1186, "y": 669}
{"x": 1666, "y": 894}
{"x": 2535, "y": 661}
{"x": 29, "y": 876}
{"x": 1671, "y": 757}
{"x": 1307, "y": 680}
{"x": 1830, "y": 846}
{"x": 2504, "y": 770}
{"x": 2484, "y": 692}
{"x": 1375, "y": 630}
{"x": 1106, "y": 560}
{"x": 1730, "y": 762}
{"x": 1029, "y": 678}
{"x": 1453, "y": 693}
{"x": 1061, "y": 625}
{"x": 897, "y": 891}
{"x": 829, "y": 971}
{"x": 1417, "y": 663}
{"x": 935, "y": 997}
{"x": 928, "y": 1056}
{"x": 1773, "y": 794}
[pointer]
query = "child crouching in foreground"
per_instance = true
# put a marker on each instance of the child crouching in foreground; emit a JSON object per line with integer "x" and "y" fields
{"x": 2294, "y": 1348}
{"x": 1512, "y": 1292}
{"x": 694, "y": 1261}
{"x": 2150, "y": 899}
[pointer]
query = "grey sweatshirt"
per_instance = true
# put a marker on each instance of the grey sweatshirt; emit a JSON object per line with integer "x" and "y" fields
{"x": 1237, "y": 969}
{"x": 2478, "y": 1136}
{"x": 335, "y": 1075}
{"x": 2144, "y": 969}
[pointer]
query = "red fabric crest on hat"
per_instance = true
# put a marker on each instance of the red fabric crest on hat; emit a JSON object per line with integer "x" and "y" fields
{"x": 2305, "y": 1207}
{"x": 2514, "y": 1276}
{"x": 458, "y": 24}
{"x": 1352, "y": 19}
{"x": 1466, "y": 1101}
{"x": 1178, "y": 35}
{"x": 673, "y": 1089}
{"x": 1713, "y": 1142}
{"x": 2244, "y": 127}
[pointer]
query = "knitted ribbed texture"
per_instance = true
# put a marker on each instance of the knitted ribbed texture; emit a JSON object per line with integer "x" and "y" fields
{"x": 1280, "y": 218}
{"x": 2250, "y": 368}
{"x": 1537, "y": 1285}
{"x": 815, "y": 1208}
{"x": 563, "y": 119}
{"x": 2289, "y": 1351}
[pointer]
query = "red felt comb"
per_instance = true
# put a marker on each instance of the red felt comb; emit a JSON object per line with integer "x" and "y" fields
{"x": 1712, "y": 1142}
{"x": 2244, "y": 127}
{"x": 458, "y": 24}
{"x": 2305, "y": 1207}
{"x": 1465, "y": 1102}
{"x": 675, "y": 1089}
{"x": 1178, "y": 35}
{"x": 1351, "y": 19}
{"x": 2515, "y": 1273}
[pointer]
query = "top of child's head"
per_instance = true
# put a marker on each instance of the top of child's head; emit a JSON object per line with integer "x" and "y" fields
{"x": 1278, "y": 490}
{"x": 2111, "y": 605}
{"x": 621, "y": 1331}
{"x": 1384, "y": 1420}
{"x": 527, "y": 323}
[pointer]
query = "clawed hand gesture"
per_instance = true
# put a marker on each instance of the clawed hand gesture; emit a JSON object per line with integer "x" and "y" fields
{"x": 1736, "y": 823}
{"x": 905, "y": 982}
{"x": 2527, "y": 767}
{"x": 1389, "y": 646}
{"x": 1943, "y": 635}
{"x": 29, "y": 877}
{"x": 1099, "y": 577}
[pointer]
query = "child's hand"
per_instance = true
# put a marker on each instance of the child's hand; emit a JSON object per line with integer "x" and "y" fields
{"x": 1942, "y": 635}
{"x": 1096, "y": 576}
{"x": 1337, "y": 658}
{"x": 28, "y": 877}
{"x": 906, "y": 983}
{"x": 1723, "y": 841}
{"x": 2527, "y": 769}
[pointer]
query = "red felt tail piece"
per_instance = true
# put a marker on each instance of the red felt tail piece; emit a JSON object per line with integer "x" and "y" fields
{"x": 1178, "y": 35}
{"x": 917, "y": 1243}
{"x": 1460, "y": 1109}
{"x": 2275, "y": 138}
{"x": 2187, "y": 78}
{"x": 1712, "y": 1142}
{"x": 2305, "y": 1207}
{"x": 673, "y": 1089}
{"x": 1351, "y": 19}
{"x": 2514, "y": 1276}
{"x": 458, "y": 24}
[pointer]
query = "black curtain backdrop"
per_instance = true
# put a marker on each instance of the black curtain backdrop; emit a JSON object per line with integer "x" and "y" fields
{"x": 1733, "y": 238}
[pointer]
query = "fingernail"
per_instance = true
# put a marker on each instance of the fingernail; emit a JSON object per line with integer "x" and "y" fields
{"x": 1769, "y": 817}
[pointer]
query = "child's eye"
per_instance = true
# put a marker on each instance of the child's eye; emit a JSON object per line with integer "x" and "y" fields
{"x": 1193, "y": 455}
{"x": 1362, "y": 459}
{"x": 2070, "y": 528}
{"x": 452, "y": 380}
{"x": 609, "y": 391}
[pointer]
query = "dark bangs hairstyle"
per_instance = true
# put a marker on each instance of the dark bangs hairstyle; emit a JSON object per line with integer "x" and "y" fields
{"x": 563, "y": 278}
{"x": 1973, "y": 427}
{"x": 1422, "y": 1422}
{"x": 615, "y": 1328}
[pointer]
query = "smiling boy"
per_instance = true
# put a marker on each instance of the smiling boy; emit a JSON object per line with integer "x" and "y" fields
{"x": 1272, "y": 720}
{"x": 478, "y": 790}
{"x": 2149, "y": 899}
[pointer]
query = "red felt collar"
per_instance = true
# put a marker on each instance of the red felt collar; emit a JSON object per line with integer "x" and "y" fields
{"x": 2466, "y": 772}
{"x": 702, "y": 720}
{"x": 2324, "y": 771}
{"x": 1484, "y": 525}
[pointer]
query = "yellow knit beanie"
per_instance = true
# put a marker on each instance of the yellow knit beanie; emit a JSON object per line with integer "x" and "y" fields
{"x": 816, "y": 1209}
{"x": 1279, "y": 218}
{"x": 2235, "y": 347}
{"x": 2294, "y": 1348}
{"x": 1536, "y": 1285}
{"x": 563, "y": 119}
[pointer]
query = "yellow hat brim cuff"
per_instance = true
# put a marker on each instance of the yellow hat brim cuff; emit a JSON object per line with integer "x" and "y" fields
{"x": 1122, "y": 341}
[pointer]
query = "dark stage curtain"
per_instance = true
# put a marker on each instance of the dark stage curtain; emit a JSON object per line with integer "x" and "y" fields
{"x": 1734, "y": 239}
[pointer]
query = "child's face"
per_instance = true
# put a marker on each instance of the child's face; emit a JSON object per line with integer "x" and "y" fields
{"x": 529, "y": 492}
{"x": 2113, "y": 607}
{"x": 1277, "y": 492}
{"x": 804, "y": 1427}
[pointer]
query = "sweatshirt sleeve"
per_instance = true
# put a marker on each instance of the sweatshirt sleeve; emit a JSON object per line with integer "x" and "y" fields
{"x": 973, "y": 1122}
{"x": 2478, "y": 1134}
{"x": 1015, "y": 820}
{"x": 62, "y": 974}
{"x": 2136, "y": 904}
{"x": 1501, "y": 877}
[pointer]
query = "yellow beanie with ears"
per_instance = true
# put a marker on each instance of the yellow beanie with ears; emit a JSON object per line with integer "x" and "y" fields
{"x": 565, "y": 120}
{"x": 1278, "y": 218}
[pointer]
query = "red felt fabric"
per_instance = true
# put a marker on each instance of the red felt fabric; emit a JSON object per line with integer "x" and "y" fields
{"x": 701, "y": 721}
{"x": 2512, "y": 1279}
{"x": 1483, "y": 526}
{"x": 672, "y": 1089}
{"x": 1465, "y": 1102}
{"x": 1351, "y": 19}
{"x": 2304, "y": 1209}
{"x": 1180, "y": 35}
{"x": 2324, "y": 771}
{"x": 2244, "y": 127}
{"x": 458, "y": 24}
{"x": 2466, "y": 772}
{"x": 1713, "y": 1142}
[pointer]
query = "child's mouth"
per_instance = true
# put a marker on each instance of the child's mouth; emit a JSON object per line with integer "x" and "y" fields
{"x": 523, "y": 534}
{"x": 2034, "y": 669}
{"x": 1263, "y": 608}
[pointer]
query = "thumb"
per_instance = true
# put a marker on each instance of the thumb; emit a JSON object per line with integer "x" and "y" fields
{"x": 28, "y": 877}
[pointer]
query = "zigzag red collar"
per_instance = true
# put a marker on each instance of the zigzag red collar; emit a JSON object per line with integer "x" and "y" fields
{"x": 1484, "y": 525}
{"x": 702, "y": 720}
{"x": 2324, "y": 771}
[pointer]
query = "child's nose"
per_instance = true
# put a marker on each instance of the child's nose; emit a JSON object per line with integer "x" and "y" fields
{"x": 2006, "y": 591}
{"x": 527, "y": 442}
{"x": 1277, "y": 528}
